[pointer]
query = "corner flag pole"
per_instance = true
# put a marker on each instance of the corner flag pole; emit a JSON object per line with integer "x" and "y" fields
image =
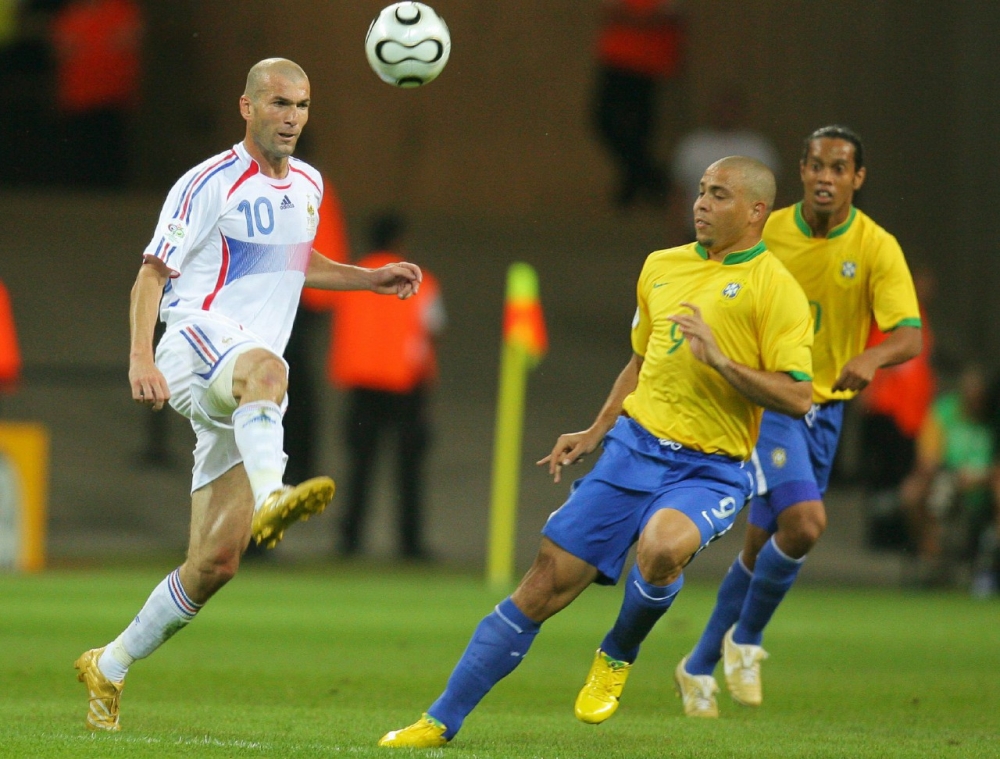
{"x": 524, "y": 343}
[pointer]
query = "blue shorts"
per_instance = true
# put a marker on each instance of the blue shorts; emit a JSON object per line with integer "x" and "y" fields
{"x": 636, "y": 476}
{"x": 793, "y": 459}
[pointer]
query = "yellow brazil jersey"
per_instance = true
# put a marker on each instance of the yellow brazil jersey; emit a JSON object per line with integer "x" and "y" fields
{"x": 854, "y": 272}
{"x": 758, "y": 316}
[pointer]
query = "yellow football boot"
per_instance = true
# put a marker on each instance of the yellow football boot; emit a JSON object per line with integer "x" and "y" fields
{"x": 598, "y": 699}
{"x": 697, "y": 692}
{"x": 104, "y": 694}
{"x": 742, "y": 666}
{"x": 288, "y": 505}
{"x": 426, "y": 732}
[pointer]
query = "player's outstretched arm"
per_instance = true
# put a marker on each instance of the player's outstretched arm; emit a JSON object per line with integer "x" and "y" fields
{"x": 573, "y": 446}
{"x": 400, "y": 279}
{"x": 149, "y": 386}
{"x": 776, "y": 391}
{"x": 902, "y": 344}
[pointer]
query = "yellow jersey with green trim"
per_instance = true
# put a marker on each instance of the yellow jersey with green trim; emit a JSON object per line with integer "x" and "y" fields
{"x": 856, "y": 271}
{"x": 759, "y": 317}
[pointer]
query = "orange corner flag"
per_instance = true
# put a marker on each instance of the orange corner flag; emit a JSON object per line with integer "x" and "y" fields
{"x": 523, "y": 321}
{"x": 524, "y": 343}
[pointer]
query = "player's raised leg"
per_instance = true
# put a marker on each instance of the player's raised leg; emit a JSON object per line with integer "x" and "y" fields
{"x": 498, "y": 645}
{"x": 259, "y": 382}
{"x": 666, "y": 544}
{"x": 220, "y": 519}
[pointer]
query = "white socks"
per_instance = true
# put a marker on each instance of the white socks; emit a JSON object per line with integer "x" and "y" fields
{"x": 166, "y": 611}
{"x": 260, "y": 438}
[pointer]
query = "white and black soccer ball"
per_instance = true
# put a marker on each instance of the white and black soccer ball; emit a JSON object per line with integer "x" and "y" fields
{"x": 408, "y": 44}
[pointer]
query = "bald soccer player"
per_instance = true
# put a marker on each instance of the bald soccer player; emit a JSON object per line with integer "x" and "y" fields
{"x": 721, "y": 332}
{"x": 223, "y": 271}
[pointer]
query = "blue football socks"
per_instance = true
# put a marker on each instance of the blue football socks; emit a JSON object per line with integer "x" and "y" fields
{"x": 728, "y": 605}
{"x": 773, "y": 575}
{"x": 497, "y": 646}
{"x": 642, "y": 606}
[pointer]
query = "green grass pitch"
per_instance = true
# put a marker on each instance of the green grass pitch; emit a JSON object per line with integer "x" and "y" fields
{"x": 321, "y": 661}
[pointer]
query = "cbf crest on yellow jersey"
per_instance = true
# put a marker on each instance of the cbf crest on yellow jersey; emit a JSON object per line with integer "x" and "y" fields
{"x": 857, "y": 270}
{"x": 759, "y": 317}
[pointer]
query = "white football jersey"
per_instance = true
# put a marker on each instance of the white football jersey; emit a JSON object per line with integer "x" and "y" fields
{"x": 237, "y": 244}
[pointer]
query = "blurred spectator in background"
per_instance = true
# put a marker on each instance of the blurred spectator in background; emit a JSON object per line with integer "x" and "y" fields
{"x": 383, "y": 355}
{"x": 24, "y": 47}
{"x": 726, "y": 133}
{"x": 8, "y": 23}
{"x": 948, "y": 497}
{"x": 97, "y": 45}
{"x": 639, "y": 48}
{"x": 894, "y": 407}
{"x": 986, "y": 580}
{"x": 10, "y": 354}
{"x": 26, "y": 69}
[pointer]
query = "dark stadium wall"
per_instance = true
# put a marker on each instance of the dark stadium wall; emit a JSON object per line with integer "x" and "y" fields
{"x": 496, "y": 160}
{"x": 505, "y": 130}
{"x": 506, "y": 127}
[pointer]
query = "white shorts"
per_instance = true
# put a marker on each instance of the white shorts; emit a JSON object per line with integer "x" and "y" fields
{"x": 197, "y": 357}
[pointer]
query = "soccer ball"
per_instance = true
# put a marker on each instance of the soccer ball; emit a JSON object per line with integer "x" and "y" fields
{"x": 408, "y": 44}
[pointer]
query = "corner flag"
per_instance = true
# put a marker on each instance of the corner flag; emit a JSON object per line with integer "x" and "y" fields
{"x": 525, "y": 341}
